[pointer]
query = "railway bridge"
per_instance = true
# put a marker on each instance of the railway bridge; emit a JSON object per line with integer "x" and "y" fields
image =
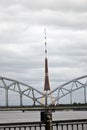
{"x": 18, "y": 94}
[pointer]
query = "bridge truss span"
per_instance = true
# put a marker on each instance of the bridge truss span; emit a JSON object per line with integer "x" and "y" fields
{"x": 69, "y": 89}
{"x": 22, "y": 90}
{"x": 12, "y": 91}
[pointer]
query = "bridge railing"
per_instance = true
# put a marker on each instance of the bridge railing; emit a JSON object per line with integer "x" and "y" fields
{"x": 56, "y": 125}
{"x": 70, "y": 125}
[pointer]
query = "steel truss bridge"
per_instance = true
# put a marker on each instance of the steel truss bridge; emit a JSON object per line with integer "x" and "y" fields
{"x": 15, "y": 93}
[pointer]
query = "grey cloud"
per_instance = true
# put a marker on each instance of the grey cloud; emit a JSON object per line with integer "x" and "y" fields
{"x": 22, "y": 39}
{"x": 79, "y": 5}
{"x": 16, "y": 21}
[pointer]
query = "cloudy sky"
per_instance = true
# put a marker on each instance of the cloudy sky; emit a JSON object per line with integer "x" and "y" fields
{"x": 22, "y": 24}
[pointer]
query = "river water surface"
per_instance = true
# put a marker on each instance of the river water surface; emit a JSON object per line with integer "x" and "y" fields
{"x": 27, "y": 116}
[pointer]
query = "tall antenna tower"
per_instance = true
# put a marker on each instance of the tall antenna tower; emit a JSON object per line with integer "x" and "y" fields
{"x": 46, "y": 80}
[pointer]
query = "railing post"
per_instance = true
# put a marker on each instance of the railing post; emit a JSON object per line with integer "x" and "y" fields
{"x": 48, "y": 123}
{"x": 46, "y": 116}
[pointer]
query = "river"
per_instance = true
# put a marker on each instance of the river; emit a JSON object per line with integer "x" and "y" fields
{"x": 27, "y": 116}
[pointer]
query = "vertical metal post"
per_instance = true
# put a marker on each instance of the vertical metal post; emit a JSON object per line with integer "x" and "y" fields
{"x": 21, "y": 99}
{"x": 34, "y": 102}
{"x": 6, "y": 96}
{"x": 61, "y": 127}
{"x": 33, "y": 98}
{"x": 48, "y": 121}
{"x": 46, "y": 117}
{"x": 82, "y": 127}
{"x": 71, "y": 126}
{"x": 46, "y": 99}
{"x": 77, "y": 127}
{"x": 85, "y": 94}
{"x": 48, "y": 125}
{"x": 70, "y": 97}
{"x": 66, "y": 126}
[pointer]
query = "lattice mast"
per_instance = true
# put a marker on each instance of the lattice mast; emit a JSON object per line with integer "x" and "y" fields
{"x": 46, "y": 79}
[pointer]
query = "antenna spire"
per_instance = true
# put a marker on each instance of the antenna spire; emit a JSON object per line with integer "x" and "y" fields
{"x": 46, "y": 82}
{"x": 45, "y": 41}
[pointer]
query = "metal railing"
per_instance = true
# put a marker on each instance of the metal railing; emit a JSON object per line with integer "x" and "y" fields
{"x": 23, "y": 126}
{"x": 70, "y": 125}
{"x": 56, "y": 125}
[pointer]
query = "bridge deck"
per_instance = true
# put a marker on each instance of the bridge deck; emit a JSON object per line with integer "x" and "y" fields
{"x": 41, "y": 108}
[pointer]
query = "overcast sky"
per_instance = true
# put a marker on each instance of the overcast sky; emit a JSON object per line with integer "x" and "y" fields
{"x": 22, "y": 24}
